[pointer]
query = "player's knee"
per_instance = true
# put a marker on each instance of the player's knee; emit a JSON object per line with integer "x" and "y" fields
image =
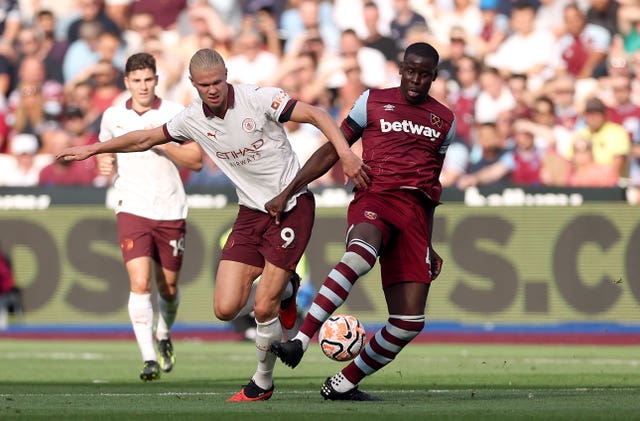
{"x": 225, "y": 313}
{"x": 140, "y": 289}
{"x": 407, "y": 327}
{"x": 139, "y": 283}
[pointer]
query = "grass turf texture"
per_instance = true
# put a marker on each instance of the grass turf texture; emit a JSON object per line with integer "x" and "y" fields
{"x": 98, "y": 380}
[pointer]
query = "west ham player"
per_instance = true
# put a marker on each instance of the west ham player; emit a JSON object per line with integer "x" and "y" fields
{"x": 151, "y": 208}
{"x": 405, "y": 134}
{"x": 241, "y": 128}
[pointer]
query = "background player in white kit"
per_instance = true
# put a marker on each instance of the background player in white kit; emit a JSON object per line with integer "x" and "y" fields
{"x": 151, "y": 210}
{"x": 240, "y": 128}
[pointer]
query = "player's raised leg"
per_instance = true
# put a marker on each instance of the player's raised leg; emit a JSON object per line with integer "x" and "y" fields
{"x": 269, "y": 330}
{"x": 358, "y": 259}
{"x": 406, "y": 303}
{"x": 232, "y": 292}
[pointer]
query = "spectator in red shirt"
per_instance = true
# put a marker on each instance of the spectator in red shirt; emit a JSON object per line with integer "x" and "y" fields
{"x": 4, "y": 133}
{"x": 622, "y": 110}
{"x": 165, "y": 16}
{"x": 67, "y": 173}
{"x": 463, "y": 100}
{"x": 585, "y": 46}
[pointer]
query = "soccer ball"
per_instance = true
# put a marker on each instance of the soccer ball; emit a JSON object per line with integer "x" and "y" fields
{"x": 341, "y": 337}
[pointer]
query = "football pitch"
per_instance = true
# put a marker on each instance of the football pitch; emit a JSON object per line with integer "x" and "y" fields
{"x": 98, "y": 380}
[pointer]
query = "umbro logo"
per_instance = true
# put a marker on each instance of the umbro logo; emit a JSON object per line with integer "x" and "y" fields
{"x": 389, "y": 107}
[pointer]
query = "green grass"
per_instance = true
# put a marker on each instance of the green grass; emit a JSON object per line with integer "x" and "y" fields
{"x": 98, "y": 380}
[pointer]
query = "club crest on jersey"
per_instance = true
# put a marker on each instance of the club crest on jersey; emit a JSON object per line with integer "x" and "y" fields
{"x": 370, "y": 215}
{"x": 436, "y": 121}
{"x": 126, "y": 244}
{"x": 248, "y": 125}
{"x": 389, "y": 107}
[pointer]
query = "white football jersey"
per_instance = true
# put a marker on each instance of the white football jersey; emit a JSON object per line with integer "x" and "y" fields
{"x": 249, "y": 144}
{"x": 147, "y": 183}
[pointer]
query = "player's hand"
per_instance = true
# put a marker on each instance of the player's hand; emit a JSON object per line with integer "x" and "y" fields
{"x": 355, "y": 169}
{"x": 106, "y": 164}
{"x": 75, "y": 153}
{"x": 435, "y": 263}
{"x": 276, "y": 206}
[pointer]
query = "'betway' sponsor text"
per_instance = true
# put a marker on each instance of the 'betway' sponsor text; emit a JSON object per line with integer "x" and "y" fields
{"x": 408, "y": 127}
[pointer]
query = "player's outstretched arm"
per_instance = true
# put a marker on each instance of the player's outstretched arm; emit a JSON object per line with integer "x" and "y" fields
{"x": 352, "y": 164}
{"x": 188, "y": 155}
{"x": 319, "y": 163}
{"x": 135, "y": 141}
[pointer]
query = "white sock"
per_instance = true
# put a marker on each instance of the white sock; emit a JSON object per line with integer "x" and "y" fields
{"x": 168, "y": 311}
{"x": 340, "y": 383}
{"x": 141, "y": 315}
{"x": 266, "y": 334}
{"x": 304, "y": 339}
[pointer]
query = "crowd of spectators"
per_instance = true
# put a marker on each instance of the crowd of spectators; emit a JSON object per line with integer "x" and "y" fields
{"x": 546, "y": 92}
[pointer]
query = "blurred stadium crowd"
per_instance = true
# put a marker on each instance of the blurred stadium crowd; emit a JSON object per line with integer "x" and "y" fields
{"x": 546, "y": 92}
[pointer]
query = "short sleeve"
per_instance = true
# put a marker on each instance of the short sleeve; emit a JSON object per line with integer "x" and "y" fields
{"x": 358, "y": 112}
{"x": 273, "y": 101}
{"x": 177, "y": 128}
{"x": 105, "y": 126}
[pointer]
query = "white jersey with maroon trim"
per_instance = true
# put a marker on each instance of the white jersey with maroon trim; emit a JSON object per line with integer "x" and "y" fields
{"x": 148, "y": 183}
{"x": 249, "y": 144}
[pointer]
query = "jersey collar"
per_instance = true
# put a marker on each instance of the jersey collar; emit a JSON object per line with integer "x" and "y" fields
{"x": 154, "y": 105}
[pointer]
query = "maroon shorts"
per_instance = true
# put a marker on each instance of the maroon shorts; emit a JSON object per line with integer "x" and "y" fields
{"x": 401, "y": 217}
{"x": 255, "y": 238}
{"x": 161, "y": 240}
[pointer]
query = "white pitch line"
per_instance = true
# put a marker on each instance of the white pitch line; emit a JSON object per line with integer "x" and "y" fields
{"x": 55, "y": 356}
{"x": 307, "y": 392}
{"x": 92, "y": 356}
{"x": 582, "y": 361}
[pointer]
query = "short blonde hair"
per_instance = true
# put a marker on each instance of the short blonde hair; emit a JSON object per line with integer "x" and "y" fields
{"x": 205, "y": 58}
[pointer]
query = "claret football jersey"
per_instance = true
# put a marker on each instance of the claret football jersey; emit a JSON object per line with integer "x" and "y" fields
{"x": 249, "y": 144}
{"x": 403, "y": 143}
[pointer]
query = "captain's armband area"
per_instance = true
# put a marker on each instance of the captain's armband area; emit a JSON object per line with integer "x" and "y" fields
{"x": 351, "y": 130}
